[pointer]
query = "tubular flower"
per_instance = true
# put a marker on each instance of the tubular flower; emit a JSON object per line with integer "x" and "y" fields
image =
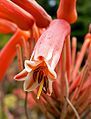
{"x": 8, "y": 53}
{"x": 40, "y": 15}
{"x": 7, "y": 26}
{"x": 67, "y": 10}
{"x": 39, "y": 70}
{"x": 14, "y": 13}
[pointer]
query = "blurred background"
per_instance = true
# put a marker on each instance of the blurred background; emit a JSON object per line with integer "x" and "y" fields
{"x": 11, "y": 100}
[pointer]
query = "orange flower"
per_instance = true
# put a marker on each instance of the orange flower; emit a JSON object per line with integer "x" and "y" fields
{"x": 67, "y": 10}
{"x": 39, "y": 70}
{"x": 14, "y": 13}
{"x": 40, "y": 15}
{"x": 8, "y": 53}
{"x": 7, "y": 26}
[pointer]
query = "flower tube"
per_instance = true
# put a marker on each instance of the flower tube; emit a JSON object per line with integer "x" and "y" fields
{"x": 40, "y": 15}
{"x": 12, "y": 12}
{"x": 7, "y": 26}
{"x": 8, "y": 53}
{"x": 67, "y": 10}
{"x": 39, "y": 70}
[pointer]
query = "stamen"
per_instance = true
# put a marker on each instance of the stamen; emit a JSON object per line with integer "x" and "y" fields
{"x": 40, "y": 88}
{"x": 21, "y": 75}
{"x": 40, "y": 76}
{"x": 45, "y": 86}
{"x": 37, "y": 69}
{"x": 35, "y": 75}
{"x": 38, "y": 73}
{"x": 45, "y": 78}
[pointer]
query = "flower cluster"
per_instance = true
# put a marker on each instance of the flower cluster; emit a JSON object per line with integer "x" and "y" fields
{"x": 51, "y": 63}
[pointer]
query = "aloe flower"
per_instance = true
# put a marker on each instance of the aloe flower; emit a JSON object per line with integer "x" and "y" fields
{"x": 39, "y": 70}
{"x": 67, "y": 10}
{"x": 12, "y": 12}
{"x": 8, "y": 53}
{"x": 7, "y": 27}
{"x": 42, "y": 19}
{"x": 51, "y": 63}
{"x": 26, "y": 17}
{"x": 14, "y": 18}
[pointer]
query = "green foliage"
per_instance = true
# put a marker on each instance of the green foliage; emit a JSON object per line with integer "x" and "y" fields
{"x": 4, "y": 39}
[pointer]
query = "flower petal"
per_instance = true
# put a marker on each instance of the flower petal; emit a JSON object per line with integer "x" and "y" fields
{"x": 49, "y": 56}
{"x": 21, "y": 76}
{"x": 50, "y": 87}
{"x": 51, "y": 41}
{"x": 51, "y": 73}
{"x": 29, "y": 83}
{"x": 30, "y": 65}
{"x": 55, "y": 60}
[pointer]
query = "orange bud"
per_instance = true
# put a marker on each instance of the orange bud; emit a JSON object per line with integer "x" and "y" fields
{"x": 41, "y": 17}
{"x": 88, "y": 36}
{"x": 12, "y": 12}
{"x": 67, "y": 10}
{"x": 7, "y": 27}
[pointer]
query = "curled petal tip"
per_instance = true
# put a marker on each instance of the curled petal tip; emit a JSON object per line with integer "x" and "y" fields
{"x": 52, "y": 74}
{"x": 21, "y": 76}
{"x": 28, "y": 66}
{"x": 14, "y": 77}
{"x": 18, "y": 79}
{"x": 55, "y": 75}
